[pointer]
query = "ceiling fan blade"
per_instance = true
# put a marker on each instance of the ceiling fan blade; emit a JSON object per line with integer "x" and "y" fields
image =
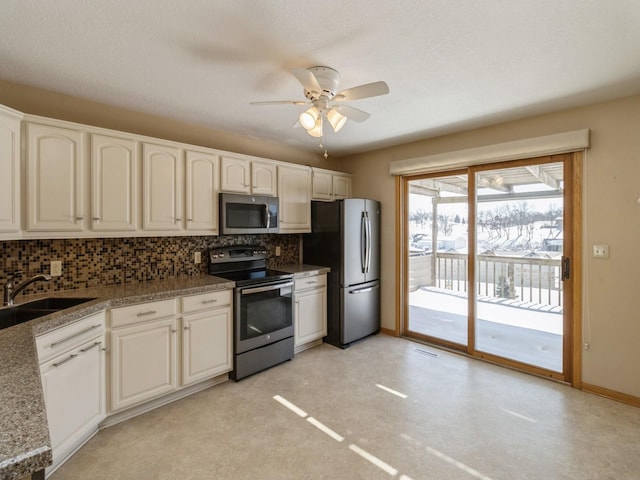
{"x": 363, "y": 91}
{"x": 307, "y": 79}
{"x": 280, "y": 102}
{"x": 352, "y": 113}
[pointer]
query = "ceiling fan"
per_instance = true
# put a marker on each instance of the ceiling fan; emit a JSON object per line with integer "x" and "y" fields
{"x": 320, "y": 86}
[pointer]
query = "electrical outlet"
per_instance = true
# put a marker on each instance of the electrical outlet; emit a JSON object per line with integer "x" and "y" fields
{"x": 278, "y": 252}
{"x": 601, "y": 251}
{"x": 55, "y": 268}
{"x": 197, "y": 257}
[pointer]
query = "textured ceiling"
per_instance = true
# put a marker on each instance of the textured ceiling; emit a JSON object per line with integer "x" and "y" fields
{"x": 450, "y": 64}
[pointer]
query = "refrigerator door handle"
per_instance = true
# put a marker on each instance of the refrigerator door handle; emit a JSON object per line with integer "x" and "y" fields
{"x": 368, "y": 256}
{"x": 363, "y": 242}
{"x": 364, "y": 290}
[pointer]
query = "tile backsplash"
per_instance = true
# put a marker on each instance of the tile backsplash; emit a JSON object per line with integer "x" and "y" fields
{"x": 92, "y": 262}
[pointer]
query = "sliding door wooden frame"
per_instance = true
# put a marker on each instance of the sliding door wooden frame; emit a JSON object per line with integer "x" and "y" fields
{"x": 572, "y": 248}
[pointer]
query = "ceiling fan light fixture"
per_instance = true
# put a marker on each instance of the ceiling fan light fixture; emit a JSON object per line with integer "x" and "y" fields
{"x": 316, "y": 131}
{"x": 336, "y": 119}
{"x": 309, "y": 118}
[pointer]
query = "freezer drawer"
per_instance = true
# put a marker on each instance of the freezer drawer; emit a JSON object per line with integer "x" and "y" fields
{"x": 360, "y": 309}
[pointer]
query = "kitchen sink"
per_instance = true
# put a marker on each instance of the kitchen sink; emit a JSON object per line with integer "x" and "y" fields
{"x": 55, "y": 303}
{"x": 14, "y": 315}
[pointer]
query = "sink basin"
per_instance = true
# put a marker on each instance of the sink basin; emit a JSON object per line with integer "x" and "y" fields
{"x": 10, "y": 316}
{"x": 55, "y": 303}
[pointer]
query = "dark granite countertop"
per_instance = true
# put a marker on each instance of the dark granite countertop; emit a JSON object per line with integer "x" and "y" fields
{"x": 25, "y": 446}
{"x": 304, "y": 270}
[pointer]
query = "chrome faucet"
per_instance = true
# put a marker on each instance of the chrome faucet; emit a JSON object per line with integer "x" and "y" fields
{"x": 10, "y": 290}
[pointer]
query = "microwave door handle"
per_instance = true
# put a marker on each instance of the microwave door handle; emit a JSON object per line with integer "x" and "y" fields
{"x": 266, "y": 212}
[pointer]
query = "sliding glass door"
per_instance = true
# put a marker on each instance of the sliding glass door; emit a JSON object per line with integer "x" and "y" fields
{"x": 518, "y": 269}
{"x": 487, "y": 262}
{"x": 438, "y": 264}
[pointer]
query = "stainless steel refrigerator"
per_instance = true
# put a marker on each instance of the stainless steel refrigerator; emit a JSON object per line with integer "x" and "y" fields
{"x": 346, "y": 237}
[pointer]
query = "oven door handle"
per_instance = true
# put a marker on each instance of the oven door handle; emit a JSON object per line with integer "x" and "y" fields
{"x": 267, "y": 288}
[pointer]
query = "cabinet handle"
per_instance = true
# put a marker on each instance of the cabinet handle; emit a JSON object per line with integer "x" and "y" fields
{"x": 95, "y": 219}
{"x": 189, "y": 219}
{"x": 73, "y": 336}
{"x": 83, "y": 350}
{"x": 186, "y": 327}
{"x": 149, "y": 312}
{"x": 214, "y": 300}
{"x": 311, "y": 282}
{"x": 79, "y": 218}
{"x": 178, "y": 219}
{"x": 70, "y": 357}
{"x": 174, "y": 330}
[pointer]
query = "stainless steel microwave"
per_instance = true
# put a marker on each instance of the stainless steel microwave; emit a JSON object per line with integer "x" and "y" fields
{"x": 248, "y": 214}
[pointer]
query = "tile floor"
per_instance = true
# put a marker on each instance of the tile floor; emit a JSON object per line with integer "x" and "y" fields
{"x": 461, "y": 419}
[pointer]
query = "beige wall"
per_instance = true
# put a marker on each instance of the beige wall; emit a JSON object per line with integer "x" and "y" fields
{"x": 54, "y": 105}
{"x": 611, "y": 216}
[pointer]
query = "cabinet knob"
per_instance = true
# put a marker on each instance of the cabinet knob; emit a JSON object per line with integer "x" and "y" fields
{"x": 186, "y": 327}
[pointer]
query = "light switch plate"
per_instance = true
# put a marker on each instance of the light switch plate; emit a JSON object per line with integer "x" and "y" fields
{"x": 197, "y": 257}
{"x": 56, "y": 268}
{"x": 601, "y": 251}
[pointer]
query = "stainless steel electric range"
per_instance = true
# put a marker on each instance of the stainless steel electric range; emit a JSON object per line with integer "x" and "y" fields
{"x": 263, "y": 308}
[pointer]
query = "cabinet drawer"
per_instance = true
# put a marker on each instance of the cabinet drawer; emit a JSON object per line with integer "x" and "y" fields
{"x": 310, "y": 282}
{"x": 195, "y": 303}
{"x": 70, "y": 336}
{"x": 142, "y": 312}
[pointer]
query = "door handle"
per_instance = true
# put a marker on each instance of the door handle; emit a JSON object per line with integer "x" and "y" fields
{"x": 266, "y": 212}
{"x": 364, "y": 290}
{"x": 368, "y": 256}
{"x": 363, "y": 242}
{"x": 566, "y": 268}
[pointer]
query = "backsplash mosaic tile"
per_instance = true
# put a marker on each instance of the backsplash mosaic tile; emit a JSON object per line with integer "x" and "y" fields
{"x": 112, "y": 261}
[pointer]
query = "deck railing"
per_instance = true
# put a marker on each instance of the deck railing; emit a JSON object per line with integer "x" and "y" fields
{"x": 528, "y": 279}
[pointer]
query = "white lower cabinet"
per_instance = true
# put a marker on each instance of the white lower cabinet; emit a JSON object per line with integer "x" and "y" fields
{"x": 143, "y": 350}
{"x": 73, "y": 381}
{"x": 159, "y": 347}
{"x": 206, "y": 336}
{"x": 310, "y": 316}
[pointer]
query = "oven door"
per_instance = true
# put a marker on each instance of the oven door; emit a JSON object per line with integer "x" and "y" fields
{"x": 263, "y": 314}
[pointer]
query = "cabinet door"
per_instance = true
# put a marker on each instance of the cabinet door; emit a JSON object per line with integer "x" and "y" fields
{"x": 202, "y": 191}
{"x": 54, "y": 179}
{"x": 235, "y": 175}
{"x": 341, "y": 187}
{"x": 310, "y": 315}
{"x": 294, "y": 192}
{"x": 206, "y": 345}
{"x": 162, "y": 187}
{"x": 74, "y": 396}
{"x": 322, "y": 186}
{"x": 143, "y": 362}
{"x": 10, "y": 168}
{"x": 264, "y": 179}
{"x": 114, "y": 177}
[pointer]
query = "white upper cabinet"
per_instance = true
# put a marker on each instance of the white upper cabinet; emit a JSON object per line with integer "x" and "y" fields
{"x": 162, "y": 170}
{"x": 264, "y": 179}
{"x": 322, "y": 185}
{"x": 235, "y": 175}
{"x": 55, "y": 196}
{"x": 294, "y": 192}
{"x": 10, "y": 168}
{"x": 241, "y": 175}
{"x": 114, "y": 180}
{"x": 341, "y": 186}
{"x": 328, "y": 185}
{"x": 202, "y": 186}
